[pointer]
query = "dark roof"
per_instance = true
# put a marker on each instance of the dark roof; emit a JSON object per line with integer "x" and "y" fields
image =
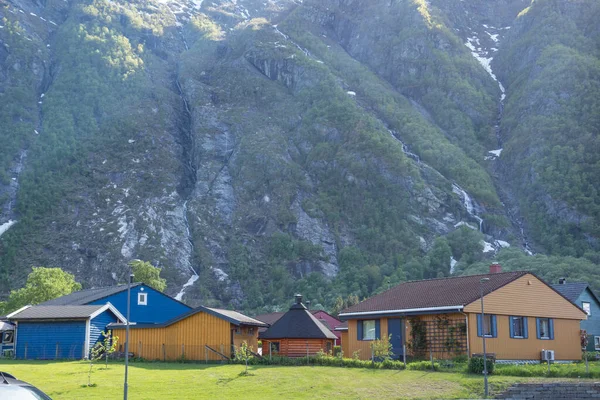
{"x": 56, "y": 312}
{"x": 86, "y": 296}
{"x": 342, "y": 327}
{"x": 233, "y": 317}
{"x": 431, "y": 293}
{"x": 270, "y": 318}
{"x": 571, "y": 290}
{"x": 297, "y": 323}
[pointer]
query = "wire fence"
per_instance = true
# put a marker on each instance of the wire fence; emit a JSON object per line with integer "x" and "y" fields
{"x": 51, "y": 351}
{"x": 178, "y": 352}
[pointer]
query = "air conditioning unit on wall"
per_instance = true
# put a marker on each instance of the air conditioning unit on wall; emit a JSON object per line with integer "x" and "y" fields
{"x": 547, "y": 355}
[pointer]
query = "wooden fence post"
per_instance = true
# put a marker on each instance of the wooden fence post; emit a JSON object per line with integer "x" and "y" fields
{"x": 182, "y": 351}
{"x": 164, "y": 352}
{"x": 56, "y": 356}
{"x": 140, "y": 349}
{"x": 205, "y": 355}
{"x": 26, "y": 345}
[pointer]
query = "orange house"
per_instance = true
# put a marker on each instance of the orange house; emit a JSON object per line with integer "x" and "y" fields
{"x": 201, "y": 334}
{"x": 443, "y": 318}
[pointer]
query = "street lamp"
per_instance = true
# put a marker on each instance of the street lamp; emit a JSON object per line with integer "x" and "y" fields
{"x": 485, "y": 371}
{"x": 127, "y": 331}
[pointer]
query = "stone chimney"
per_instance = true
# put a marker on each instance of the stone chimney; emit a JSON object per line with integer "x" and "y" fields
{"x": 495, "y": 268}
{"x": 562, "y": 281}
{"x": 298, "y": 299}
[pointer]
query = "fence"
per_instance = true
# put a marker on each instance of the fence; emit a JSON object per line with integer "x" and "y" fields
{"x": 178, "y": 352}
{"x": 51, "y": 351}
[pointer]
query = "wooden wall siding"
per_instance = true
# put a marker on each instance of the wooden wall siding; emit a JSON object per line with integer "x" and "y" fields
{"x": 362, "y": 346}
{"x": 565, "y": 344}
{"x": 527, "y": 296}
{"x": 193, "y": 333}
{"x": 245, "y": 335}
{"x": 344, "y": 338}
{"x": 298, "y": 347}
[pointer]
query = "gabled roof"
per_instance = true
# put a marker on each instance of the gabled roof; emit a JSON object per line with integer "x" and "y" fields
{"x": 573, "y": 290}
{"x": 297, "y": 323}
{"x": 40, "y": 312}
{"x": 271, "y": 318}
{"x": 233, "y": 317}
{"x": 86, "y": 296}
{"x": 434, "y": 295}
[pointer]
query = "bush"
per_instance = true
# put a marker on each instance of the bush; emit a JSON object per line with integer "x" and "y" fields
{"x": 337, "y": 350}
{"x": 325, "y": 360}
{"x": 476, "y": 365}
{"x": 423, "y": 366}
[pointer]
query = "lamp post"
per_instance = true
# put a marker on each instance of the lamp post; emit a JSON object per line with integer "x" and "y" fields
{"x": 485, "y": 371}
{"x": 127, "y": 332}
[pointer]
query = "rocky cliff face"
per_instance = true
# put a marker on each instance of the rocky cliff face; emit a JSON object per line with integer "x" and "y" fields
{"x": 251, "y": 148}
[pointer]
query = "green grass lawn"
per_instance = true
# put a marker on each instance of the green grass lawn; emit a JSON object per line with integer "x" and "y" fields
{"x": 66, "y": 380}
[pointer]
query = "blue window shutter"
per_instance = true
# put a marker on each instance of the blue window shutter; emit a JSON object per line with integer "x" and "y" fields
{"x": 377, "y": 329}
{"x": 494, "y": 326}
{"x": 537, "y": 328}
{"x": 551, "y": 327}
{"x": 510, "y": 327}
{"x": 359, "y": 330}
{"x": 525, "y": 328}
{"x": 479, "y": 325}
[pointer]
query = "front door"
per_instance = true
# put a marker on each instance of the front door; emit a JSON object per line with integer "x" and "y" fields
{"x": 395, "y": 331}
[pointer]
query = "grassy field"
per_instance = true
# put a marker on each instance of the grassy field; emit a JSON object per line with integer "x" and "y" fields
{"x": 67, "y": 380}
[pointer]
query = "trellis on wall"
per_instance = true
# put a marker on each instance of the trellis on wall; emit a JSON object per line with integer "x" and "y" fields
{"x": 441, "y": 337}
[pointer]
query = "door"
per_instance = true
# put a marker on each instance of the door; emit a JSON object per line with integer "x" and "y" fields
{"x": 397, "y": 340}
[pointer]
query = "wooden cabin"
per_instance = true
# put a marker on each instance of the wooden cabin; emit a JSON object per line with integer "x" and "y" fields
{"x": 202, "y": 334}
{"x": 330, "y": 322}
{"x": 523, "y": 315}
{"x": 297, "y": 334}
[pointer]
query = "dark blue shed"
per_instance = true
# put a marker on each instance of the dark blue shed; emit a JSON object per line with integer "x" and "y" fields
{"x": 147, "y": 304}
{"x": 60, "y": 332}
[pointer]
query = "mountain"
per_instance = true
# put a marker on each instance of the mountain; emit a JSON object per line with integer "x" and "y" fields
{"x": 253, "y": 149}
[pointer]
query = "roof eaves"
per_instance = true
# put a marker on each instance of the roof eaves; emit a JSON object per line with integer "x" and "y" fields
{"x": 345, "y": 316}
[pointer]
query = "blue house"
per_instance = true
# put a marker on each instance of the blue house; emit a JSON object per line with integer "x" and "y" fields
{"x": 582, "y": 295}
{"x": 7, "y": 339}
{"x": 148, "y": 306}
{"x": 60, "y": 332}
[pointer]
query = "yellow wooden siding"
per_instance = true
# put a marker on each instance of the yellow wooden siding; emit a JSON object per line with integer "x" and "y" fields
{"x": 246, "y": 334}
{"x": 527, "y": 296}
{"x": 565, "y": 343}
{"x": 344, "y": 338}
{"x": 186, "y": 338}
{"x": 362, "y": 346}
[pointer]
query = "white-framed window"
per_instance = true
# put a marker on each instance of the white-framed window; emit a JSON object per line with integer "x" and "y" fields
{"x": 8, "y": 337}
{"x": 587, "y": 307}
{"x": 368, "y": 331}
{"x": 142, "y": 299}
{"x": 597, "y": 342}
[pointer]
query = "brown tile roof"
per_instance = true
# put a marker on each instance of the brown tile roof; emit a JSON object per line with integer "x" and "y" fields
{"x": 443, "y": 292}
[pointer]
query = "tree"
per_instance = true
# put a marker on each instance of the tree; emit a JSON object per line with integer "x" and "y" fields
{"x": 42, "y": 284}
{"x": 439, "y": 258}
{"x": 148, "y": 274}
{"x": 244, "y": 353}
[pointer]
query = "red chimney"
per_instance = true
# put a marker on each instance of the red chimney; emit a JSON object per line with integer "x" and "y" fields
{"x": 495, "y": 268}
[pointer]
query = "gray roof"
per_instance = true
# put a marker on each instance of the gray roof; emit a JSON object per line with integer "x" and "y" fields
{"x": 86, "y": 296}
{"x": 56, "y": 312}
{"x": 233, "y": 317}
{"x": 572, "y": 291}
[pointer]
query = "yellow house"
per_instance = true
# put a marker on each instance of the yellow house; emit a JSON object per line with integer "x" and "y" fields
{"x": 442, "y": 318}
{"x": 203, "y": 334}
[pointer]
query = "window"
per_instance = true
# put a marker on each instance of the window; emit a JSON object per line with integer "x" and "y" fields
{"x": 545, "y": 328}
{"x": 368, "y": 329}
{"x": 238, "y": 330}
{"x": 586, "y": 307}
{"x": 250, "y": 330}
{"x": 518, "y": 327}
{"x": 274, "y": 347}
{"x": 597, "y": 342}
{"x": 487, "y": 326}
{"x": 8, "y": 337}
{"x": 142, "y": 299}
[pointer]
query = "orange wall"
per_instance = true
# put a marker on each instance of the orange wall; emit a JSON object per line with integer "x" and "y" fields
{"x": 193, "y": 333}
{"x": 362, "y": 346}
{"x": 527, "y": 296}
{"x": 344, "y": 339}
{"x": 565, "y": 343}
{"x": 248, "y": 334}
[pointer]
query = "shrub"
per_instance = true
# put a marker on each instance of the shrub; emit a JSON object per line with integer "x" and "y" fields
{"x": 423, "y": 366}
{"x": 476, "y": 365}
{"x": 337, "y": 350}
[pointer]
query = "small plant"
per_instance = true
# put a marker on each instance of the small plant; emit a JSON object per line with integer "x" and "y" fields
{"x": 356, "y": 355}
{"x": 476, "y": 365}
{"x": 244, "y": 354}
{"x": 381, "y": 349}
{"x": 101, "y": 349}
